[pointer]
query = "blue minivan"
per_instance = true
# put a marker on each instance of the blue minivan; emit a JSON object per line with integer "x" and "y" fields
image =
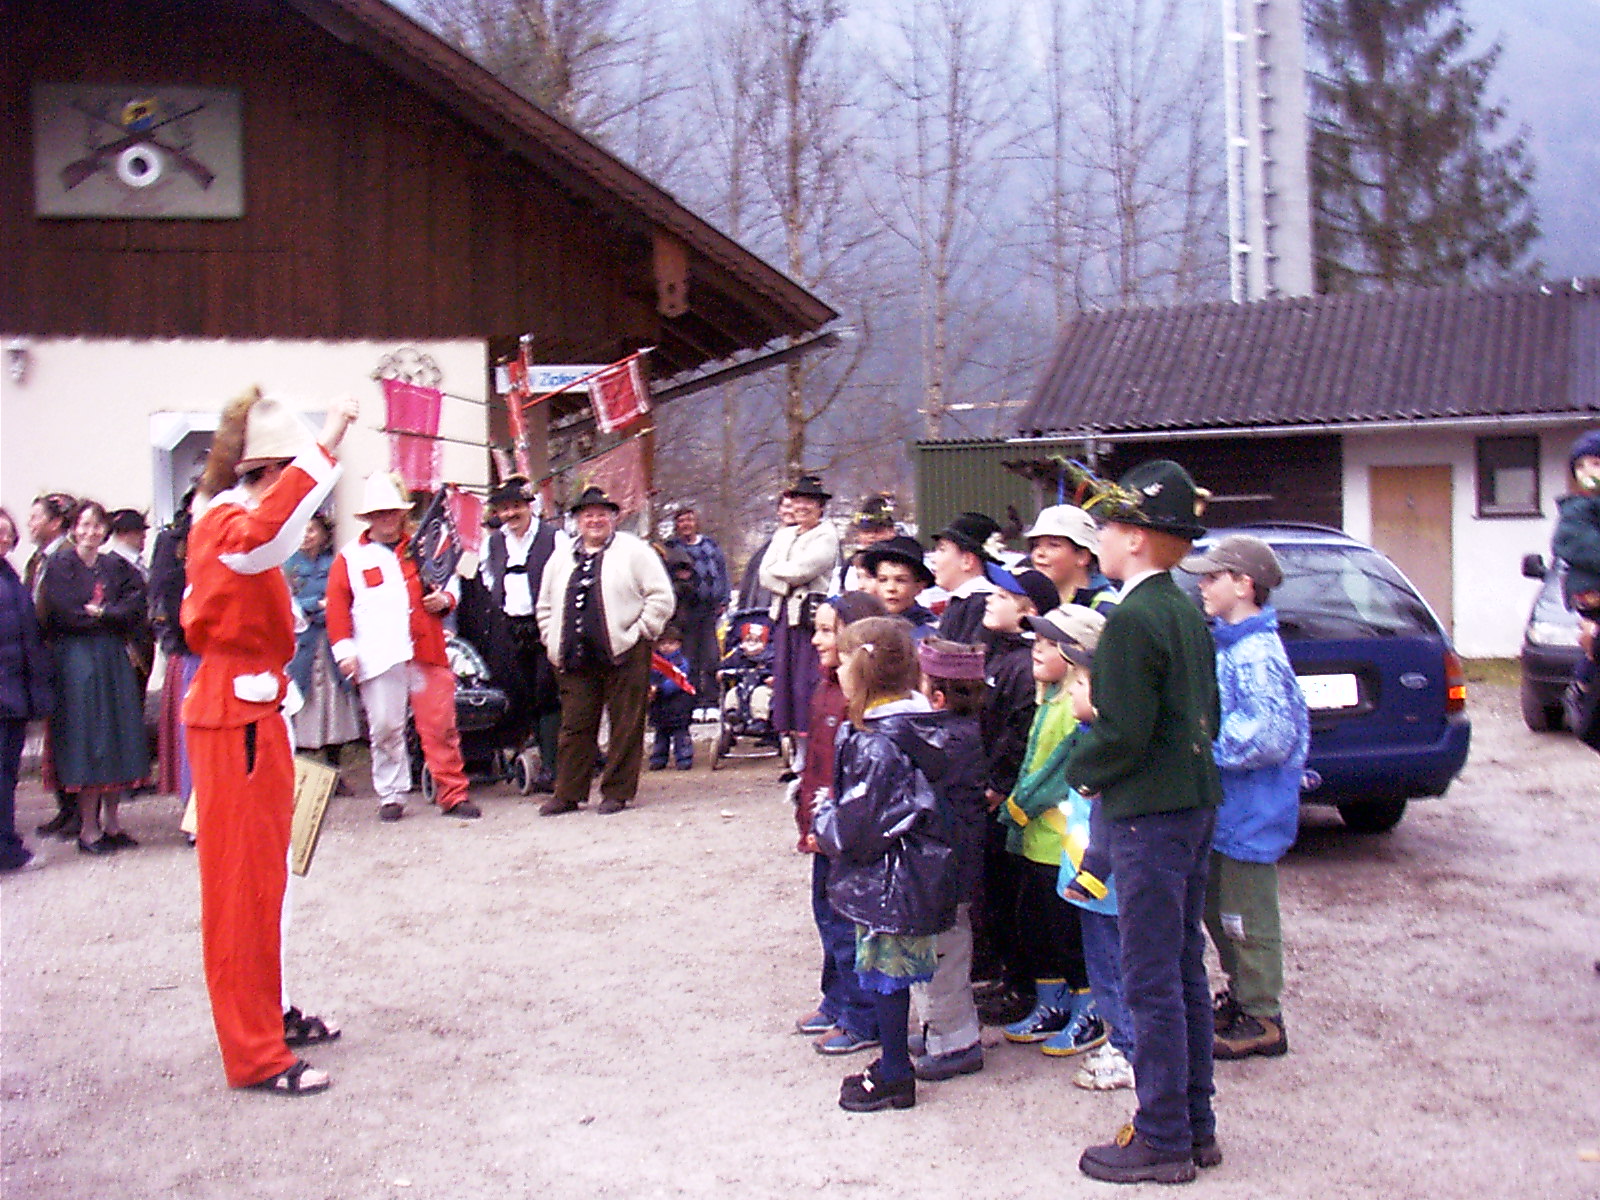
{"x": 1386, "y": 690}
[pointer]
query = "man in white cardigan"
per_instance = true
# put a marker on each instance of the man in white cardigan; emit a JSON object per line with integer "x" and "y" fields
{"x": 604, "y": 600}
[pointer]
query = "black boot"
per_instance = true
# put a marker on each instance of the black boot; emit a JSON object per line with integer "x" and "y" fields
{"x": 868, "y": 1093}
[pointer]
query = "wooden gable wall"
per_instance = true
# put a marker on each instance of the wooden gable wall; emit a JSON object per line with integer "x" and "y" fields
{"x": 370, "y": 211}
{"x": 1252, "y": 478}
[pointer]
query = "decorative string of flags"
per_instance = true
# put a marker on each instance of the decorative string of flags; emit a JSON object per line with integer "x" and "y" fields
{"x": 618, "y": 396}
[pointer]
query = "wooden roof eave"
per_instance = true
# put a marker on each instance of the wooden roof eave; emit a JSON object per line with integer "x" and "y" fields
{"x": 560, "y": 152}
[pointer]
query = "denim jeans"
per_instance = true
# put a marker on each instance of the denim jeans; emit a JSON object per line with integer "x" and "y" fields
{"x": 1102, "y": 954}
{"x": 1161, "y": 863}
{"x": 680, "y": 742}
{"x": 844, "y": 1000}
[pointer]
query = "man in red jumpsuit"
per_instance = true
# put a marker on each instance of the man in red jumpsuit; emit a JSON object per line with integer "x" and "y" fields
{"x": 266, "y": 476}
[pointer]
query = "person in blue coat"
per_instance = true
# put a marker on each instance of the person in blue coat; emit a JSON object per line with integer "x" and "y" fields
{"x": 25, "y": 692}
{"x": 1260, "y": 752}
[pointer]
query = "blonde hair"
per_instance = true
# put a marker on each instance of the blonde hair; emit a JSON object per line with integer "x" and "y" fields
{"x": 886, "y": 662}
{"x": 1043, "y": 691}
{"x": 227, "y": 445}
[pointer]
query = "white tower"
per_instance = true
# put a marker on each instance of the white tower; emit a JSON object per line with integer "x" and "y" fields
{"x": 1269, "y": 187}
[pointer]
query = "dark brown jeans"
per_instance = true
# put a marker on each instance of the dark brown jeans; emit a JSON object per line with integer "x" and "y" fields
{"x": 622, "y": 691}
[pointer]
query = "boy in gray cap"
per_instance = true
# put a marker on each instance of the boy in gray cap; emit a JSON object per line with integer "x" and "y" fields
{"x": 1260, "y": 752}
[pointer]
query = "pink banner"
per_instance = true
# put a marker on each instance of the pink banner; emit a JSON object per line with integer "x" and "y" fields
{"x": 466, "y": 511}
{"x": 413, "y": 423}
{"x": 618, "y": 395}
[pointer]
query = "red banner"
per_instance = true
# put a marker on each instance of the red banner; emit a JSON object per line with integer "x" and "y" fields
{"x": 517, "y": 371}
{"x": 618, "y": 395}
{"x": 466, "y": 510}
{"x": 657, "y": 663}
{"x": 413, "y": 423}
{"x": 620, "y": 473}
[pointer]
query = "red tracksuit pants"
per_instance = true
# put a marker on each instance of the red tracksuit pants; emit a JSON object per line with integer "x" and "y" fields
{"x": 244, "y": 804}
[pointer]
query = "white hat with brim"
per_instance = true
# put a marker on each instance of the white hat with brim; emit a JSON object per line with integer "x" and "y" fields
{"x": 273, "y": 432}
{"x": 382, "y": 494}
{"x": 1067, "y": 521}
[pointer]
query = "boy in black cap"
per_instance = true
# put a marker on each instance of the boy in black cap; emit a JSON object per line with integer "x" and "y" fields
{"x": 671, "y": 702}
{"x": 1148, "y": 757}
{"x": 898, "y": 575}
{"x": 961, "y": 550}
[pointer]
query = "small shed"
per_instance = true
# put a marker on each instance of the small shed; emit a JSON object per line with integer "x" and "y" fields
{"x": 1432, "y": 423}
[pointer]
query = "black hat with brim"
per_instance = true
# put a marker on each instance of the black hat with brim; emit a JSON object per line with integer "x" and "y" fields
{"x": 971, "y": 531}
{"x": 809, "y": 487}
{"x": 1162, "y": 496}
{"x": 594, "y": 497}
{"x": 899, "y": 549}
{"x": 511, "y": 491}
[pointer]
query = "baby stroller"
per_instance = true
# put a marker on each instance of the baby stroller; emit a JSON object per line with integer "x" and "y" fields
{"x": 744, "y": 691}
{"x": 483, "y": 719}
{"x": 485, "y": 629}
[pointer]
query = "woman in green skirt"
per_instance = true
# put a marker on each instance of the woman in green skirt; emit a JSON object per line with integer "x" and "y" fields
{"x": 88, "y": 602}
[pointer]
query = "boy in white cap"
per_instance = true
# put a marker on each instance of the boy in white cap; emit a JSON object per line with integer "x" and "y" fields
{"x": 1064, "y": 545}
{"x": 388, "y": 637}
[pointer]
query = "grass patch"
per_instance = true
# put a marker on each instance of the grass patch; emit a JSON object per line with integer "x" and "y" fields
{"x": 1492, "y": 670}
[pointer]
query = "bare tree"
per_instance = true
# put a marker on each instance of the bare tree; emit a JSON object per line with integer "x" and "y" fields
{"x": 1126, "y": 149}
{"x": 780, "y": 131}
{"x": 947, "y": 124}
{"x": 593, "y": 63}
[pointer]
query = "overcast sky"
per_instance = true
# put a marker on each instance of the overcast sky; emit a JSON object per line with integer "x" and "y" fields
{"x": 1550, "y": 78}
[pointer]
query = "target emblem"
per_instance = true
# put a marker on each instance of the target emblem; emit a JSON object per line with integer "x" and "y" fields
{"x": 141, "y": 166}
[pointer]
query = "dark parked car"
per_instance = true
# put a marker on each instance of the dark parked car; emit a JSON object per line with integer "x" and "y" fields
{"x": 1387, "y": 694}
{"x": 1549, "y": 648}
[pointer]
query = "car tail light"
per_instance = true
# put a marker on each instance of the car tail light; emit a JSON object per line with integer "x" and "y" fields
{"x": 1455, "y": 683}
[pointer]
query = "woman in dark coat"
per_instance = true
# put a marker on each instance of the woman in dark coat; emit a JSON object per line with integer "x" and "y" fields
{"x": 167, "y": 581}
{"x": 24, "y": 690}
{"x": 88, "y": 600}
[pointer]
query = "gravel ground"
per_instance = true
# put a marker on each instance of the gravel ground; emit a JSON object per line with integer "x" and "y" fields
{"x": 588, "y": 1006}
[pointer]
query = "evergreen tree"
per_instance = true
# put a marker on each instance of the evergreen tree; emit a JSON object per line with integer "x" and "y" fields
{"x": 1411, "y": 184}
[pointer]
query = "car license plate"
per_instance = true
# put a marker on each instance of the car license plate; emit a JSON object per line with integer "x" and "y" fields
{"x": 1325, "y": 692}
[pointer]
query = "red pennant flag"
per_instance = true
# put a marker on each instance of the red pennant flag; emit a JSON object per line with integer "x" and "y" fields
{"x": 517, "y": 371}
{"x": 620, "y": 474}
{"x": 466, "y": 513}
{"x": 618, "y": 395}
{"x": 657, "y": 663}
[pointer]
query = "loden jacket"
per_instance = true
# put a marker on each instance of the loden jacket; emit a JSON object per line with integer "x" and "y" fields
{"x": 1155, "y": 690}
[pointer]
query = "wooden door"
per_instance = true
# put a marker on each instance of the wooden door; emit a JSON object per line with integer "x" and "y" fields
{"x": 1411, "y": 524}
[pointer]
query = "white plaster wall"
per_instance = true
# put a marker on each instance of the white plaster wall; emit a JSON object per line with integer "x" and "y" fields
{"x": 1491, "y": 597}
{"x": 81, "y": 419}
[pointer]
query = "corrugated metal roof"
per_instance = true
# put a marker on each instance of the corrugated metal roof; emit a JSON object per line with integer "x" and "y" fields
{"x": 1427, "y": 355}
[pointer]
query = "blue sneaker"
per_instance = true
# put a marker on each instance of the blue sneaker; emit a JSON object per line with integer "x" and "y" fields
{"x": 814, "y": 1024}
{"x": 1050, "y": 1014}
{"x": 1085, "y": 1032}
{"x": 842, "y": 1041}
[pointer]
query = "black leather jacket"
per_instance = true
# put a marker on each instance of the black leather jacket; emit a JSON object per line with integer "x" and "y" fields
{"x": 893, "y": 863}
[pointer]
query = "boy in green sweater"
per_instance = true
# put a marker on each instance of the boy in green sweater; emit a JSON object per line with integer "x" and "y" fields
{"x": 1148, "y": 757}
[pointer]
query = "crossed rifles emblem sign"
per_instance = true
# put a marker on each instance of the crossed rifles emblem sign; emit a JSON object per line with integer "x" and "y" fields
{"x": 132, "y": 146}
